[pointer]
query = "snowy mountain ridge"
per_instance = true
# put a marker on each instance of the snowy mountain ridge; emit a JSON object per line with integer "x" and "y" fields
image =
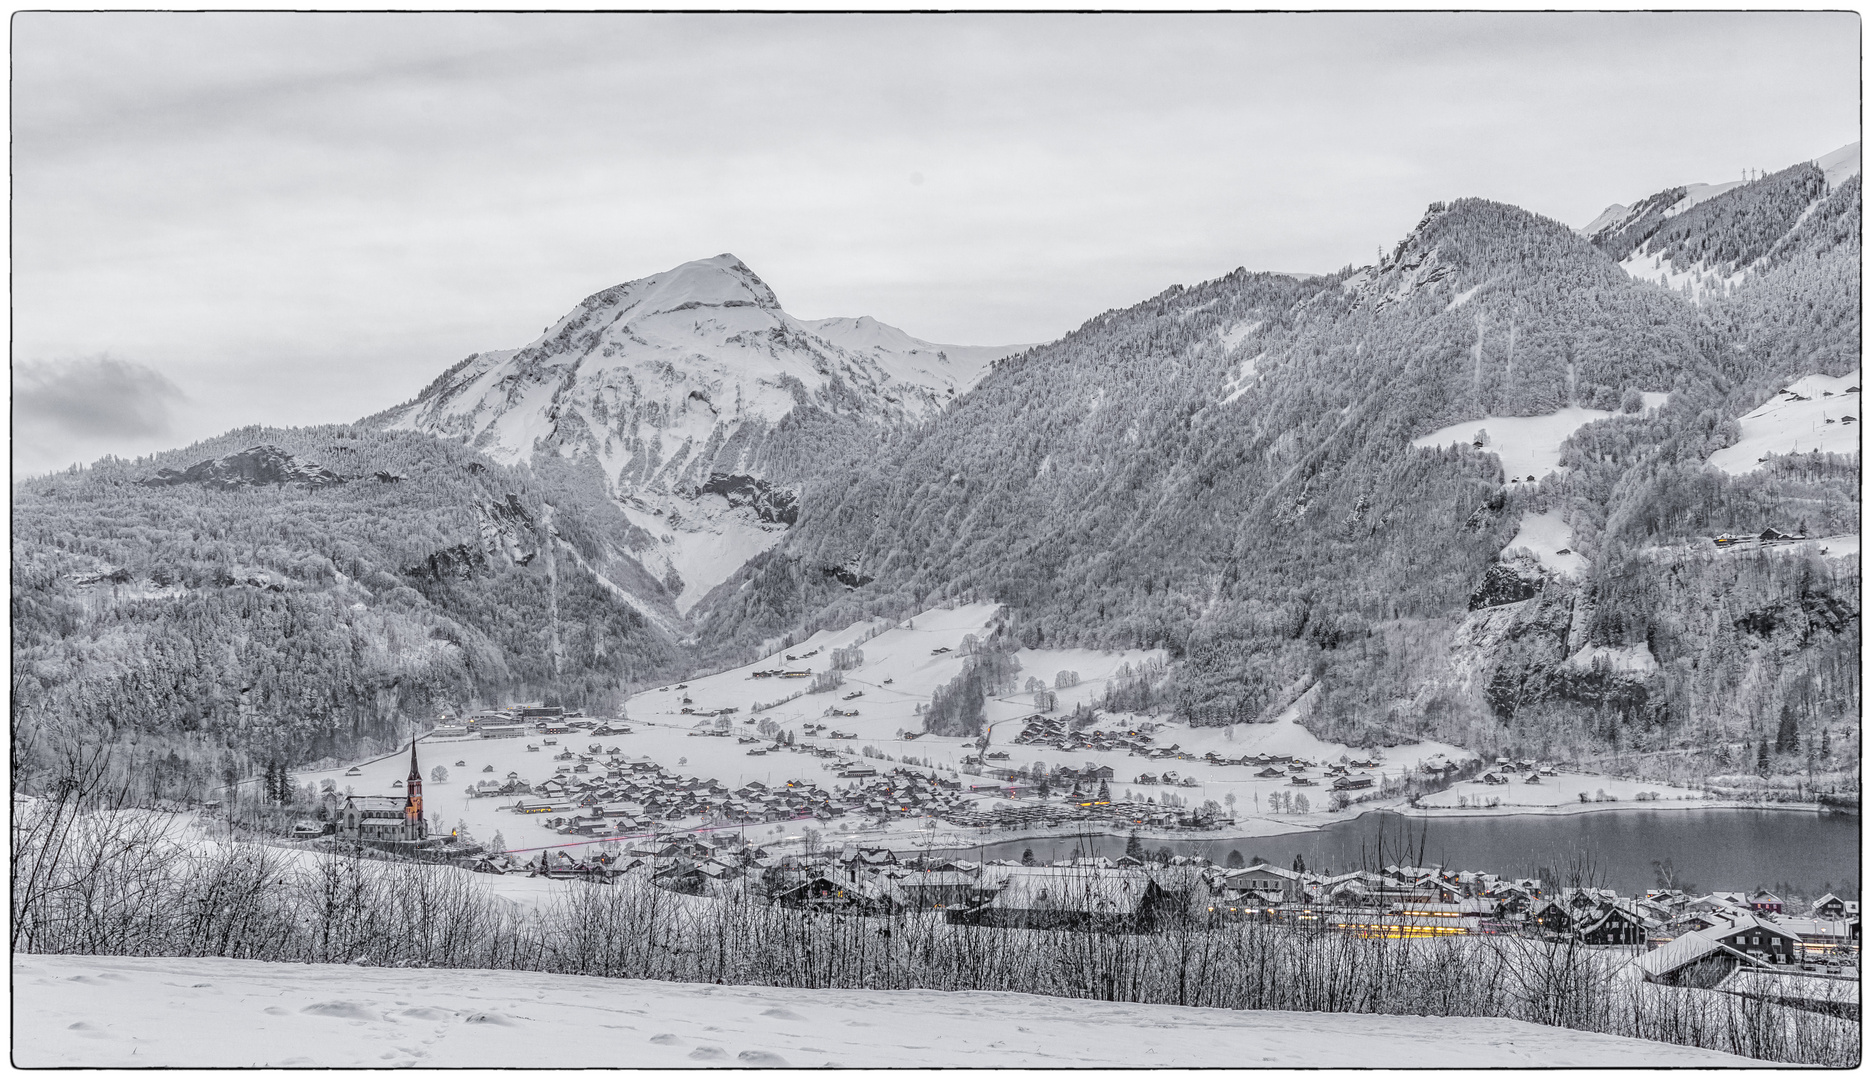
{"x": 1838, "y": 166}
{"x": 1709, "y": 238}
{"x": 683, "y": 381}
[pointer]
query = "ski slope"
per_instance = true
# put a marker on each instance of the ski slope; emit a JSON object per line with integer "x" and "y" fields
{"x": 163, "y": 1012}
{"x": 1809, "y": 414}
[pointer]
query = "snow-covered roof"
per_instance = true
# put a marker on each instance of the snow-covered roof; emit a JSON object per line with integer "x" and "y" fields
{"x": 1682, "y": 952}
{"x": 1072, "y": 888}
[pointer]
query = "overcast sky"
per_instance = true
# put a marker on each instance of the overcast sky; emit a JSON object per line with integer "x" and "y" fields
{"x": 224, "y": 219}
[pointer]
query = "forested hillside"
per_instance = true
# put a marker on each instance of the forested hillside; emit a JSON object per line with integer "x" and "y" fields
{"x": 306, "y": 595}
{"x": 1226, "y": 471}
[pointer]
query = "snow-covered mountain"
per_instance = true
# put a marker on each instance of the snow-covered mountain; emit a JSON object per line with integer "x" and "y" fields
{"x": 704, "y": 405}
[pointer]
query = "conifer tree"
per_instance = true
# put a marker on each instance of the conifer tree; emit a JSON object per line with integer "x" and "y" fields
{"x": 1787, "y": 736}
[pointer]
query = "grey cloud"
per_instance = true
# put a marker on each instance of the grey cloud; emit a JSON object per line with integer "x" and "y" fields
{"x": 96, "y": 397}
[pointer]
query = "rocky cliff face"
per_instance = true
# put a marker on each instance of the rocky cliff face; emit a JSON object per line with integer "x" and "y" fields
{"x": 253, "y": 467}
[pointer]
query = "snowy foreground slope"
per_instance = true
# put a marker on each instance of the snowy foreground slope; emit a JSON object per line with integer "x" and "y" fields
{"x": 106, "y": 1011}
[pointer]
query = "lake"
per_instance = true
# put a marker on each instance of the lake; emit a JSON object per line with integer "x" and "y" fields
{"x": 1806, "y": 852}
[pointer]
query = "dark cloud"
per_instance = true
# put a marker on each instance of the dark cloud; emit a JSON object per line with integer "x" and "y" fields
{"x": 99, "y": 397}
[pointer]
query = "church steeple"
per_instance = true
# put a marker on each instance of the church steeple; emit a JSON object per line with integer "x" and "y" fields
{"x": 412, "y": 801}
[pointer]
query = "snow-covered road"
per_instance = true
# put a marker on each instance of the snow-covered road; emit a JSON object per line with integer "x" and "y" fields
{"x": 104, "y": 1011}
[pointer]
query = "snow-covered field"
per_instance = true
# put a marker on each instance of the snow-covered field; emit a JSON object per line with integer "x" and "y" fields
{"x": 1809, "y": 414}
{"x": 1550, "y": 540}
{"x": 142, "y": 1012}
{"x": 1527, "y": 445}
{"x": 901, "y": 671}
{"x": 1561, "y": 793}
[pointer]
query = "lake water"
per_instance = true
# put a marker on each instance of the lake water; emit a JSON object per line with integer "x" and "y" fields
{"x": 1708, "y": 849}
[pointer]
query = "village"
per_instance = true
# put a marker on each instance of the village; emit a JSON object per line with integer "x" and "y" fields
{"x": 1748, "y": 944}
{"x": 597, "y": 792}
{"x": 607, "y": 815}
{"x": 846, "y": 752}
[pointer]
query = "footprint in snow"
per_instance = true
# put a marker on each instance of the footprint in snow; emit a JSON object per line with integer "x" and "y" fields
{"x": 343, "y": 1010}
{"x": 782, "y": 1014}
{"x": 708, "y": 1053}
{"x": 423, "y": 1012}
{"x": 490, "y": 1018}
{"x": 763, "y": 1059}
{"x": 274, "y": 1010}
{"x": 666, "y": 1040}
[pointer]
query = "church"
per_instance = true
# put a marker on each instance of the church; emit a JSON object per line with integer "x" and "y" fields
{"x": 386, "y": 817}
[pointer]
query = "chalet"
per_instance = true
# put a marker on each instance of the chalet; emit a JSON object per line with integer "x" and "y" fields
{"x": 1265, "y": 882}
{"x": 857, "y": 856}
{"x": 837, "y": 892}
{"x": 1832, "y": 907}
{"x": 1613, "y": 925}
{"x": 1351, "y": 783}
{"x": 1691, "y": 960}
{"x": 1759, "y": 938}
{"x": 1552, "y": 916}
{"x": 1765, "y": 901}
{"x": 1070, "y": 898}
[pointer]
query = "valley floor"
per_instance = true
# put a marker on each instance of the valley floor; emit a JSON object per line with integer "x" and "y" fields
{"x": 106, "y": 1011}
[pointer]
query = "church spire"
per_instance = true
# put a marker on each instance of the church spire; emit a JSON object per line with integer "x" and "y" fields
{"x": 412, "y": 800}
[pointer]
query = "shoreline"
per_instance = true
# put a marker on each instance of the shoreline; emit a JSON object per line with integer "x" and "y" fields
{"x": 1427, "y": 812}
{"x": 1288, "y": 828}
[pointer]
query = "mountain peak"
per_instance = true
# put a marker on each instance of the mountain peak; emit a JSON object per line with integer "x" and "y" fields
{"x": 721, "y": 282}
{"x": 676, "y": 387}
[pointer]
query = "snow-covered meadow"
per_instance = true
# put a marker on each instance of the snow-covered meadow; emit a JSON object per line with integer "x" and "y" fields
{"x": 153, "y": 1012}
{"x": 1816, "y": 413}
{"x": 902, "y": 668}
{"x": 1528, "y": 446}
{"x": 1560, "y": 793}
